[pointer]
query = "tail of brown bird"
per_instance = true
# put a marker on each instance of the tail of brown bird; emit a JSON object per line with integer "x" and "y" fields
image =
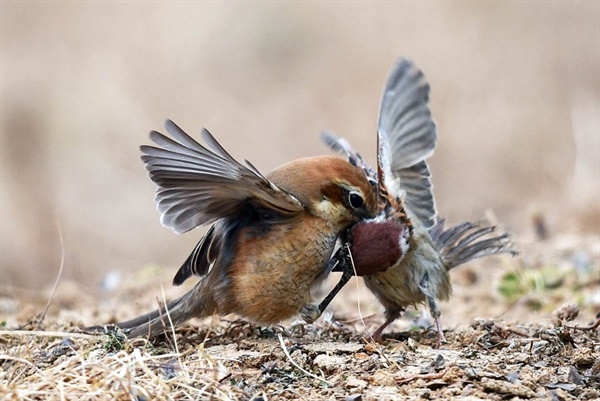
{"x": 467, "y": 241}
{"x": 152, "y": 324}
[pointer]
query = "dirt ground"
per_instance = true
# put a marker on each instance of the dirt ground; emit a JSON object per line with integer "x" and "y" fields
{"x": 536, "y": 336}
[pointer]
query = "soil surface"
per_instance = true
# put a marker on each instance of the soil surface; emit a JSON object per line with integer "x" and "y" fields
{"x": 516, "y": 328}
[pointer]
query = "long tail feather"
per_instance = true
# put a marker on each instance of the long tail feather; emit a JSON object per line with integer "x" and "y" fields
{"x": 157, "y": 322}
{"x": 467, "y": 241}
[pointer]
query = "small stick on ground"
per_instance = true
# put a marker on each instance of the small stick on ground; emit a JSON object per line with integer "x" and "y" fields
{"x": 429, "y": 376}
{"x": 585, "y": 328}
{"x": 306, "y": 372}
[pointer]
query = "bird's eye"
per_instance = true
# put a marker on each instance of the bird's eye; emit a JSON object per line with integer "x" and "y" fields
{"x": 355, "y": 200}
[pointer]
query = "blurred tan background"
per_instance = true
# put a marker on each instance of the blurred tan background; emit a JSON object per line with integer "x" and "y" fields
{"x": 515, "y": 94}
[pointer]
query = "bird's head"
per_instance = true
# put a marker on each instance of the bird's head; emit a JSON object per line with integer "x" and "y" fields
{"x": 329, "y": 187}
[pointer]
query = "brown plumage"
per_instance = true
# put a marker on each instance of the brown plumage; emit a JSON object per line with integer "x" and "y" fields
{"x": 271, "y": 237}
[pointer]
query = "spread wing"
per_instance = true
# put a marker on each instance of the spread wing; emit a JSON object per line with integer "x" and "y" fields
{"x": 407, "y": 136}
{"x": 198, "y": 185}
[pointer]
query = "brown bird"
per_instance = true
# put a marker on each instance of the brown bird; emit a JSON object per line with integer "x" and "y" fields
{"x": 270, "y": 239}
{"x": 404, "y": 254}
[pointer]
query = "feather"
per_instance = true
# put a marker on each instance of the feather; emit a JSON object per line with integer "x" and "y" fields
{"x": 407, "y": 136}
{"x": 198, "y": 185}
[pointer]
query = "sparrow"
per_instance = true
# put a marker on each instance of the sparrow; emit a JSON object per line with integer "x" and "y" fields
{"x": 404, "y": 254}
{"x": 270, "y": 237}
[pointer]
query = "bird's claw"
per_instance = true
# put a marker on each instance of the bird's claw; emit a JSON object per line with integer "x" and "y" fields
{"x": 441, "y": 339}
{"x": 310, "y": 313}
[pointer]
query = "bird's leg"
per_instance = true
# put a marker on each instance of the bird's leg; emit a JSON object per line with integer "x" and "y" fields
{"x": 430, "y": 296}
{"x": 377, "y": 334}
{"x": 310, "y": 313}
{"x": 441, "y": 339}
{"x": 435, "y": 313}
{"x": 343, "y": 258}
{"x": 390, "y": 316}
{"x": 346, "y": 276}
